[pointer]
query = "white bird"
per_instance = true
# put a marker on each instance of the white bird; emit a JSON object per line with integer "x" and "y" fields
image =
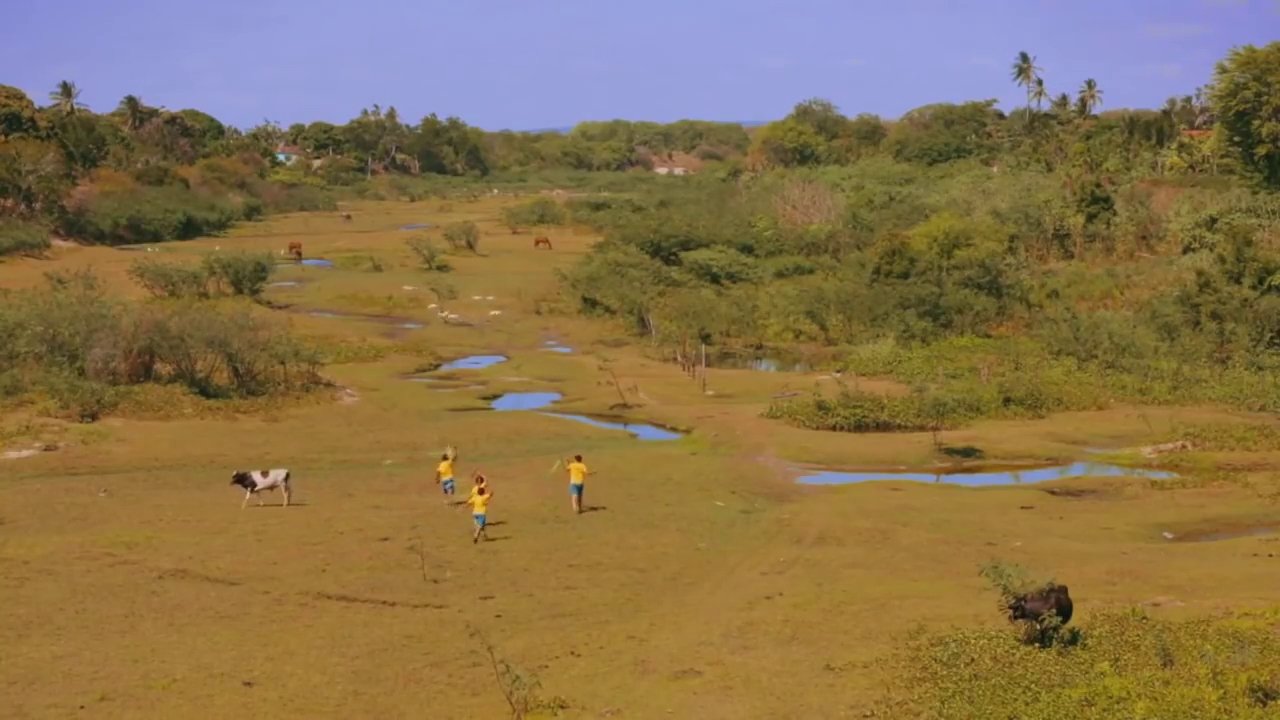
{"x": 489, "y": 297}
{"x": 432, "y": 306}
{"x": 495, "y": 312}
{"x": 443, "y": 313}
{"x": 476, "y": 297}
{"x": 452, "y": 316}
{"x": 408, "y": 287}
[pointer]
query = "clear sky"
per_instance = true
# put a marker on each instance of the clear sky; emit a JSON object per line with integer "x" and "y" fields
{"x": 527, "y": 64}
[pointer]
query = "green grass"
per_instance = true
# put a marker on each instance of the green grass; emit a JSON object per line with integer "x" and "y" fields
{"x": 710, "y": 585}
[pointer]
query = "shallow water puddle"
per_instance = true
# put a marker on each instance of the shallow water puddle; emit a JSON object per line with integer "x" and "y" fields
{"x": 985, "y": 479}
{"x": 473, "y": 362}
{"x": 641, "y": 431}
{"x": 524, "y": 401}
{"x": 415, "y": 226}
{"x": 402, "y": 323}
{"x": 1220, "y": 534}
{"x": 317, "y": 262}
{"x": 556, "y": 347}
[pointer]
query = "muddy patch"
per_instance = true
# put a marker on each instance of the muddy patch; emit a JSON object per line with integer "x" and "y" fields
{"x": 184, "y": 574}
{"x": 1221, "y": 533}
{"x": 354, "y": 600}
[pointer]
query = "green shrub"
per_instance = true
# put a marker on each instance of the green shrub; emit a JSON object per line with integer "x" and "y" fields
{"x": 22, "y": 238}
{"x": 429, "y": 256}
{"x": 148, "y": 214}
{"x": 1127, "y": 666}
{"x": 240, "y": 273}
{"x": 463, "y": 235}
{"x": 80, "y": 345}
{"x": 536, "y": 212}
{"x": 165, "y": 280}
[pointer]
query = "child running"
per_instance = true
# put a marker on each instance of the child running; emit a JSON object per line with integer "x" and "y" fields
{"x": 479, "y": 502}
{"x": 577, "y": 477}
{"x": 444, "y": 474}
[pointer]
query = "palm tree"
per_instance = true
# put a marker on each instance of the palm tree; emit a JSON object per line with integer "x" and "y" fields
{"x": 1039, "y": 93}
{"x": 134, "y": 111}
{"x": 66, "y": 97}
{"x": 1025, "y": 73}
{"x": 1061, "y": 105}
{"x": 1089, "y": 97}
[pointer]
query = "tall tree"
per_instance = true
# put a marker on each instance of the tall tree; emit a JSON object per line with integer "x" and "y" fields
{"x": 134, "y": 112}
{"x": 1039, "y": 93}
{"x": 1089, "y": 97}
{"x": 66, "y": 98}
{"x": 1025, "y": 74}
{"x": 1061, "y": 105}
{"x": 1245, "y": 96}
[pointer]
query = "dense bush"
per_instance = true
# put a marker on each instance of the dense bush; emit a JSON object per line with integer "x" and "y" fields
{"x": 82, "y": 346}
{"x": 539, "y": 211}
{"x": 1127, "y": 665}
{"x": 429, "y": 256}
{"x": 219, "y": 274}
{"x": 463, "y": 236}
{"x": 22, "y": 238}
{"x": 147, "y": 214}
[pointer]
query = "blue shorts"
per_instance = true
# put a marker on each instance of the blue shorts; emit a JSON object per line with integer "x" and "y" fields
{"x": 575, "y": 489}
{"x": 480, "y": 520}
{"x": 447, "y": 485}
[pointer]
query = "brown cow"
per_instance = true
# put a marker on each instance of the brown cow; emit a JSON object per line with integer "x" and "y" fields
{"x": 541, "y": 242}
{"x": 295, "y": 249}
{"x": 1035, "y": 605}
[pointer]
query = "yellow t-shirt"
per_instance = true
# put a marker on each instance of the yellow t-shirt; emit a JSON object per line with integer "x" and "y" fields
{"x": 577, "y": 473}
{"x": 445, "y": 468}
{"x": 479, "y": 503}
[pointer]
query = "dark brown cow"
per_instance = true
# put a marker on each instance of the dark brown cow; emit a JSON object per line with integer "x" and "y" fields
{"x": 1035, "y": 605}
{"x": 541, "y": 242}
{"x": 346, "y": 216}
{"x": 295, "y": 249}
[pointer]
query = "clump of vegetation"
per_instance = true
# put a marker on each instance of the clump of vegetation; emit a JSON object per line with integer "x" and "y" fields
{"x": 536, "y": 212}
{"x": 429, "y": 256}
{"x": 521, "y": 690}
{"x": 22, "y": 238}
{"x": 463, "y": 236}
{"x": 1015, "y": 586}
{"x": 1129, "y": 665}
{"x": 364, "y": 263}
{"x": 1229, "y": 437}
{"x": 84, "y": 348}
{"x": 243, "y": 274}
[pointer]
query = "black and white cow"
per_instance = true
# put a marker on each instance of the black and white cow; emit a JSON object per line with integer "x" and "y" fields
{"x": 255, "y": 481}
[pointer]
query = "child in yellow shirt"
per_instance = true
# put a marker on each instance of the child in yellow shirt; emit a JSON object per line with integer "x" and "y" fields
{"x": 577, "y": 478}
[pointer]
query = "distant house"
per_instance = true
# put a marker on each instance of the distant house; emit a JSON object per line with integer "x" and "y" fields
{"x": 288, "y": 154}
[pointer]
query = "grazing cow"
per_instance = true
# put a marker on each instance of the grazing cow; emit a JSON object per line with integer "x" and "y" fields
{"x": 541, "y": 242}
{"x": 256, "y": 481}
{"x": 1035, "y": 605}
{"x": 295, "y": 249}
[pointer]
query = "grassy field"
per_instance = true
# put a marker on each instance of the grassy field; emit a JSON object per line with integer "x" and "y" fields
{"x": 704, "y": 583}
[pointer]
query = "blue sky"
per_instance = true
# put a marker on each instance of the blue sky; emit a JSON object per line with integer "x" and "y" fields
{"x": 527, "y": 64}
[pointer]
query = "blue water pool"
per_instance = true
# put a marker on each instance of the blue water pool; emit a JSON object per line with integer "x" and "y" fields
{"x": 474, "y": 362}
{"x": 984, "y": 479}
{"x": 641, "y": 431}
{"x": 318, "y": 262}
{"x": 524, "y": 400}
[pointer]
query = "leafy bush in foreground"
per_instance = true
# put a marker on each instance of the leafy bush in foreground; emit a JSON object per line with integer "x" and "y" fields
{"x": 1128, "y": 665}
{"x": 81, "y": 346}
{"x": 223, "y": 274}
